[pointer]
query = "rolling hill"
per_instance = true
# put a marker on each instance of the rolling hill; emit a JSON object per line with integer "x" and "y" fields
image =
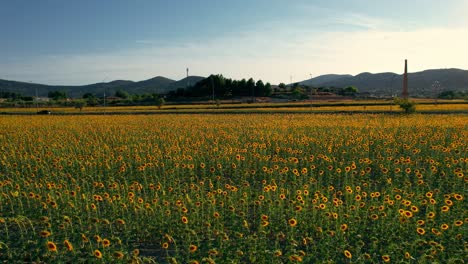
{"x": 426, "y": 83}
{"x": 157, "y": 85}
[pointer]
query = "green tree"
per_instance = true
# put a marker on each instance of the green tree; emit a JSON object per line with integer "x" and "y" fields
{"x": 350, "y": 90}
{"x": 250, "y": 86}
{"x": 88, "y": 95}
{"x": 92, "y": 101}
{"x": 407, "y": 105}
{"x": 259, "y": 88}
{"x": 57, "y": 95}
{"x": 299, "y": 93}
{"x": 268, "y": 89}
{"x": 122, "y": 94}
{"x": 159, "y": 102}
{"x": 79, "y": 104}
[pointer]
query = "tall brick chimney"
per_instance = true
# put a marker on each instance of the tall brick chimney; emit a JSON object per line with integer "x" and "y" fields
{"x": 405, "y": 81}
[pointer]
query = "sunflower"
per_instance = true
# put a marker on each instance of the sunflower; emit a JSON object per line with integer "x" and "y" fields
{"x": 343, "y": 228}
{"x": 184, "y": 220}
{"x": 292, "y": 222}
{"x": 444, "y": 226}
{"x": 192, "y": 248}
{"x": 118, "y": 255}
{"x": 408, "y": 214}
{"x": 435, "y": 232}
{"x": 213, "y": 252}
{"x": 105, "y": 242}
{"x": 68, "y": 245}
{"x": 295, "y": 258}
{"x": 97, "y": 253}
{"x": 51, "y": 246}
{"x": 84, "y": 238}
{"x": 386, "y": 258}
{"x": 44, "y": 233}
{"x": 348, "y": 254}
{"x": 420, "y": 231}
{"x": 165, "y": 245}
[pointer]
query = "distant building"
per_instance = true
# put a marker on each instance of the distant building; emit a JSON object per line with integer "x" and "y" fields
{"x": 42, "y": 99}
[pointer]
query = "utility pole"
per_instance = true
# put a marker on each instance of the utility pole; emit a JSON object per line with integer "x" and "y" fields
{"x": 405, "y": 81}
{"x": 311, "y": 89}
{"x": 104, "y": 93}
{"x": 253, "y": 93}
{"x": 213, "y": 88}
{"x": 37, "y": 100}
{"x": 391, "y": 86}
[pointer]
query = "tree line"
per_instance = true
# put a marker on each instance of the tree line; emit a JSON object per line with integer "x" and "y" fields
{"x": 222, "y": 88}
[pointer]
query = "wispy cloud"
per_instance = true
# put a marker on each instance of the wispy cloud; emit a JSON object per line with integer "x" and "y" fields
{"x": 359, "y": 21}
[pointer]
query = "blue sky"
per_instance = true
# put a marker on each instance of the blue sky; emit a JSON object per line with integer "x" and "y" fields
{"x": 88, "y": 41}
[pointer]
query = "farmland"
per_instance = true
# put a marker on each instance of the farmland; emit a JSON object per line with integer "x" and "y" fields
{"x": 256, "y": 188}
{"x": 228, "y": 107}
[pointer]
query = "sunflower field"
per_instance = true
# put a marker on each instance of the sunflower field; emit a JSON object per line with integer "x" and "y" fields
{"x": 240, "y": 188}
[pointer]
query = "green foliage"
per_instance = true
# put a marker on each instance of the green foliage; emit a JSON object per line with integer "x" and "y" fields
{"x": 299, "y": 93}
{"x": 88, "y": 95}
{"x": 224, "y": 88}
{"x": 159, "y": 102}
{"x": 10, "y": 96}
{"x": 453, "y": 95}
{"x": 57, "y": 95}
{"x": 122, "y": 94}
{"x": 407, "y": 105}
{"x": 79, "y": 104}
{"x": 349, "y": 91}
{"x": 90, "y": 99}
{"x": 268, "y": 90}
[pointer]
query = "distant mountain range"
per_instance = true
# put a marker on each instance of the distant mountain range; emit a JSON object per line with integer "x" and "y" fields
{"x": 158, "y": 85}
{"x": 424, "y": 83}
